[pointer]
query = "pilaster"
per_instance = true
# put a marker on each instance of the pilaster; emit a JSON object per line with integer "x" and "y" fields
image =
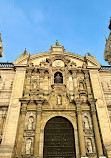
{"x": 10, "y": 130}
{"x": 80, "y": 128}
{"x": 39, "y": 103}
{"x": 96, "y": 128}
{"x": 74, "y": 74}
{"x": 21, "y": 126}
{"x": 101, "y": 108}
{"x": 2, "y": 122}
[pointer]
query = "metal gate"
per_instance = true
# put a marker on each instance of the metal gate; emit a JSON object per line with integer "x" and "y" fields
{"x": 59, "y": 139}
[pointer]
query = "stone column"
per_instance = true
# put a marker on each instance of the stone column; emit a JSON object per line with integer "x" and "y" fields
{"x": 96, "y": 128}
{"x": 21, "y": 126}
{"x": 80, "y": 128}
{"x": 37, "y": 130}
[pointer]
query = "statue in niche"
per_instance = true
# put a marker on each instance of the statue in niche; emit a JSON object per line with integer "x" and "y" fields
{"x": 89, "y": 146}
{"x": 86, "y": 123}
{"x": 59, "y": 100}
{"x": 81, "y": 87}
{"x": 58, "y": 79}
{"x": 28, "y": 146}
{"x": 34, "y": 84}
{"x": 30, "y": 122}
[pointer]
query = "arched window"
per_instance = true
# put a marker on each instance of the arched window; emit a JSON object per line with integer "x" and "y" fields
{"x": 58, "y": 78}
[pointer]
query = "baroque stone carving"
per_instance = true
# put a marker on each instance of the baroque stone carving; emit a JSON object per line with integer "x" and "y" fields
{"x": 86, "y": 123}
{"x": 59, "y": 99}
{"x": 30, "y": 122}
{"x": 34, "y": 84}
{"x": 58, "y": 78}
{"x": 81, "y": 86}
{"x": 58, "y": 63}
{"x": 28, "y": 146}
{"x": 89, "y": 146}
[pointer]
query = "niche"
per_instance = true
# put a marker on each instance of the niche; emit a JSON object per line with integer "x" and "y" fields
{"x": 58, "y": 78}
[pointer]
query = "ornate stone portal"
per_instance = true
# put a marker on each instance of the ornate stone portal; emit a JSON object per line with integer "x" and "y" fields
{"x": 55, "y": 85}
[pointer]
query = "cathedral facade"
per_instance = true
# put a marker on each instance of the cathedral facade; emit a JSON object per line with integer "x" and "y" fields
{"x": 55, "y": 104}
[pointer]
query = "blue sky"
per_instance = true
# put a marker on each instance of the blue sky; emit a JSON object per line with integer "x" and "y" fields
{"x": 79, "y": 25}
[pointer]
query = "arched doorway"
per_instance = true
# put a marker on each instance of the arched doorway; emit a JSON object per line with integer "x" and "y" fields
{"x": 59, "y": 139}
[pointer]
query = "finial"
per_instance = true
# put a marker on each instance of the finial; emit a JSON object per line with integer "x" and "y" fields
{"x": 110, "y": 24}
{"x": 105, "y": 38}
{"x": 89, "y": 54}
{"x": 25, "y": 51}
{"x": 57, "y": 43}
{"x": 51, "y": 48}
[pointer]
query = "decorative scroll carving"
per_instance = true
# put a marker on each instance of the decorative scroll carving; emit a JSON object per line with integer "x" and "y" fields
{"x": 58, "y": 63}
{"x": 72, "y": 65}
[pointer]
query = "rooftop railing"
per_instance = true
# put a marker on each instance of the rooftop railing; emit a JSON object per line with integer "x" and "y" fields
{"x": 6, "y": 65}
{"x": 106, "y": 67}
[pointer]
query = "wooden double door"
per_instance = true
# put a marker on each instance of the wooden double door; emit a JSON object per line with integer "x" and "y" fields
{"x": 59, "y": 139}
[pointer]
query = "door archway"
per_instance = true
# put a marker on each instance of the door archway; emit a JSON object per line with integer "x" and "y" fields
{"x": 59, "y": 139}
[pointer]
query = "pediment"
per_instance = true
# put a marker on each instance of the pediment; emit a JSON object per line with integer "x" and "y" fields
{"x": 57, "y": 59}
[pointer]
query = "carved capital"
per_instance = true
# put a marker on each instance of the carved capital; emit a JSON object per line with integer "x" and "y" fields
{"x": 23, "y": 108}
{"x": 42, "y": 72}
{"x": 24, "y": 100}
{"x": 92, "y": 105}
{"x": 86, "y": 72}
{"x": 79, "y": 111}
{"x": 39, "y": 101}
{"x": 92, "y": 101}
{"x": 74, "y": 72}
{"x": 4, "y": 112}
{"x": 78, "y": 101}
{"x": 39, "y": 110}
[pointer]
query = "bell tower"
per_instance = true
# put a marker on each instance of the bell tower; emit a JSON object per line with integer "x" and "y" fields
{"x": 1, "y": 47}
{"x": 107, "y": 52}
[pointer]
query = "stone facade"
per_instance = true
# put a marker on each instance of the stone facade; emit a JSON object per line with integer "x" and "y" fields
{"x": 37, "y": 88}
